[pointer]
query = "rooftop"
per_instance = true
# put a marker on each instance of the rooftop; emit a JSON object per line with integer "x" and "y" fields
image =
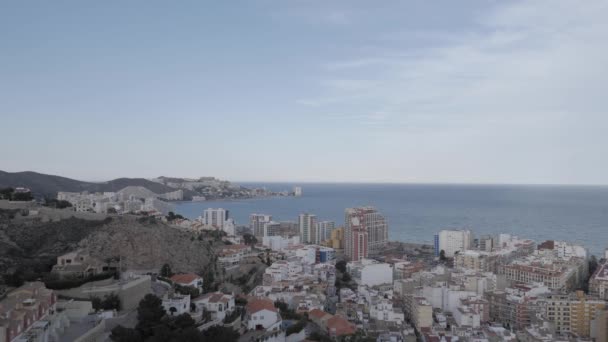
{"x": 185, "y": 278}
{"x": 256, "y": 305}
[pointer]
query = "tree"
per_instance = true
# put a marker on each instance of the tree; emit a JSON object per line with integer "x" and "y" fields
{"x": 341, "y": 266}
{"x": 165, "y": 271}
{"x": 22, "y": 196}
{"x": 296, "y": 328}
{"x": 282, "y": 306}
{"x": 592, "y": 265}
{"x": 122, "y": 334}
{"x": 316, "y": 336}
{"x": 346, "y": 277}
{"x": 190, "y": 334}
{"x": 183, "y": 321}
{"x": 149, "y": 313}
{"x": 172, "y": 216}
{"x": 442, "y": 255}
{"x": 187, "y": 290}
{"x": 220, "y": 334}
{"x": 6, "y": 193}
{"x": 14, "y": 279}
{"x": 55, "y": 203}
{"x": 111, "y": 302}
{"x": 250, "y": 239}
{"x": 209, "y": 281}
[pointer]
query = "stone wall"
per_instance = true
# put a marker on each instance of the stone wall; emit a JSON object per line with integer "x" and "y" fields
{"x": 129, "y": 291}
{"x": 96, "y": 334}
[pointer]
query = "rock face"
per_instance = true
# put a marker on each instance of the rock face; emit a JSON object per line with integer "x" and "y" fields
{"x": 29, "y": 243}
{"x": 147, "y": 246}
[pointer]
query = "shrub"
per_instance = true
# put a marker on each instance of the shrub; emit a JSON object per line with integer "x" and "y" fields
{"x": 296, "y": 328}
{"x": 109, "y": 302}
{"x": 231, "y": 317}
{"x": 64, "y": 284}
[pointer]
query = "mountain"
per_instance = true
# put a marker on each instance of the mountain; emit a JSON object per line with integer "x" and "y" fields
{"x": 48, "y": 185}
{"x": 32, "y": 245}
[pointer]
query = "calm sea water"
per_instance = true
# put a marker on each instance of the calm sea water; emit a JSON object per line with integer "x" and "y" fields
{"x": 416, "y": 212}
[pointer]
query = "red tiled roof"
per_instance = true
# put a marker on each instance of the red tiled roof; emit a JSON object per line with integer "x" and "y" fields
{"x": 184, "y": 278}
{"x": 316, "y": 313}
{"x": 235, "y": 247}
{"x": 256, "y": 305}
{"x": 339, "y": 326}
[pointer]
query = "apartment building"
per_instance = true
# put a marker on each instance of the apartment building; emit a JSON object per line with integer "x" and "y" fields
{"x": 365, "y": 231}
{"x": 573, "y": 313}
{"x": 598, "y": 283}
{"x": 257, "y": 222}
{"x": 555, "y": 273}
{"x": 215, "y": 217}
{"x": 308, "y": 228}
{"x": 452, "y": 242}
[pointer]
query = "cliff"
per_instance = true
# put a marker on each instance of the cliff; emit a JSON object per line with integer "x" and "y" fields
{"x": 31, "y": 245}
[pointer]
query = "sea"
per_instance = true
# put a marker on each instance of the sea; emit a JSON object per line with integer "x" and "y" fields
{"x": 415, "y": 212}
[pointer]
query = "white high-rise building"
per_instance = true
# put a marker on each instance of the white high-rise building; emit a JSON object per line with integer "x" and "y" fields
{"x": 215, "y": 217}
{"x": 297, "y": 191}
{"x": 272, "y": 228}
{"x": 324, "y": 229}
{"x": 452, "y": 241}
{"x": 257, "y": 223}
{"x": 308, "y": 228}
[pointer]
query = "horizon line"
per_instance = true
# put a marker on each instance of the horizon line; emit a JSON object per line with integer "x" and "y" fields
{"x": 362, "y": 182}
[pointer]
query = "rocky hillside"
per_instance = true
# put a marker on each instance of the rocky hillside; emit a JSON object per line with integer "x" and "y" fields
{"x": 30, "y": 244}
{"x": 149, "y": 245}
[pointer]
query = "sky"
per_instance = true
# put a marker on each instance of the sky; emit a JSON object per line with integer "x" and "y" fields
{"x": 333, "y": 91}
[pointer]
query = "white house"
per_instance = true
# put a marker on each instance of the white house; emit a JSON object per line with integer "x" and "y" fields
{"x": 217, "y": 303}
{"x": 261, "y": 314}
{"x": 279, "y": 243}
{"x": 370, "y": 272}
{"x": 231, "y": 255}
{"x": 465, "y": 316}
{"x": 382, "y": 309}
{"x": 176, "y": 304}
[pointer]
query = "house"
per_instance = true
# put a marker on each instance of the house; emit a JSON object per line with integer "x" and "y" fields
{"x": 217, "y": 303}
{"x": 231, "y": 255}
{"x": 319, "y": 317}
{"x": 78, "y": 264}
{"x": 176, "y": 304}
{"x": 261, "y": 314}
{"x": 370, "y": 272}
{"x": 333, "y": 325}
{"x": 382, "y": 309}
{"x": 188, "y": 279}
{"x": 28, "y": 310}
{"x": 339, "y": 326}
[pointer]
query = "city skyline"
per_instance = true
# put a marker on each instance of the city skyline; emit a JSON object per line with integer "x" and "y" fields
{"x": 484, "y": 92}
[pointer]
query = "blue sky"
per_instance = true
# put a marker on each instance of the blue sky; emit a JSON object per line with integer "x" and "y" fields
{"x": 391, "y": 91}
